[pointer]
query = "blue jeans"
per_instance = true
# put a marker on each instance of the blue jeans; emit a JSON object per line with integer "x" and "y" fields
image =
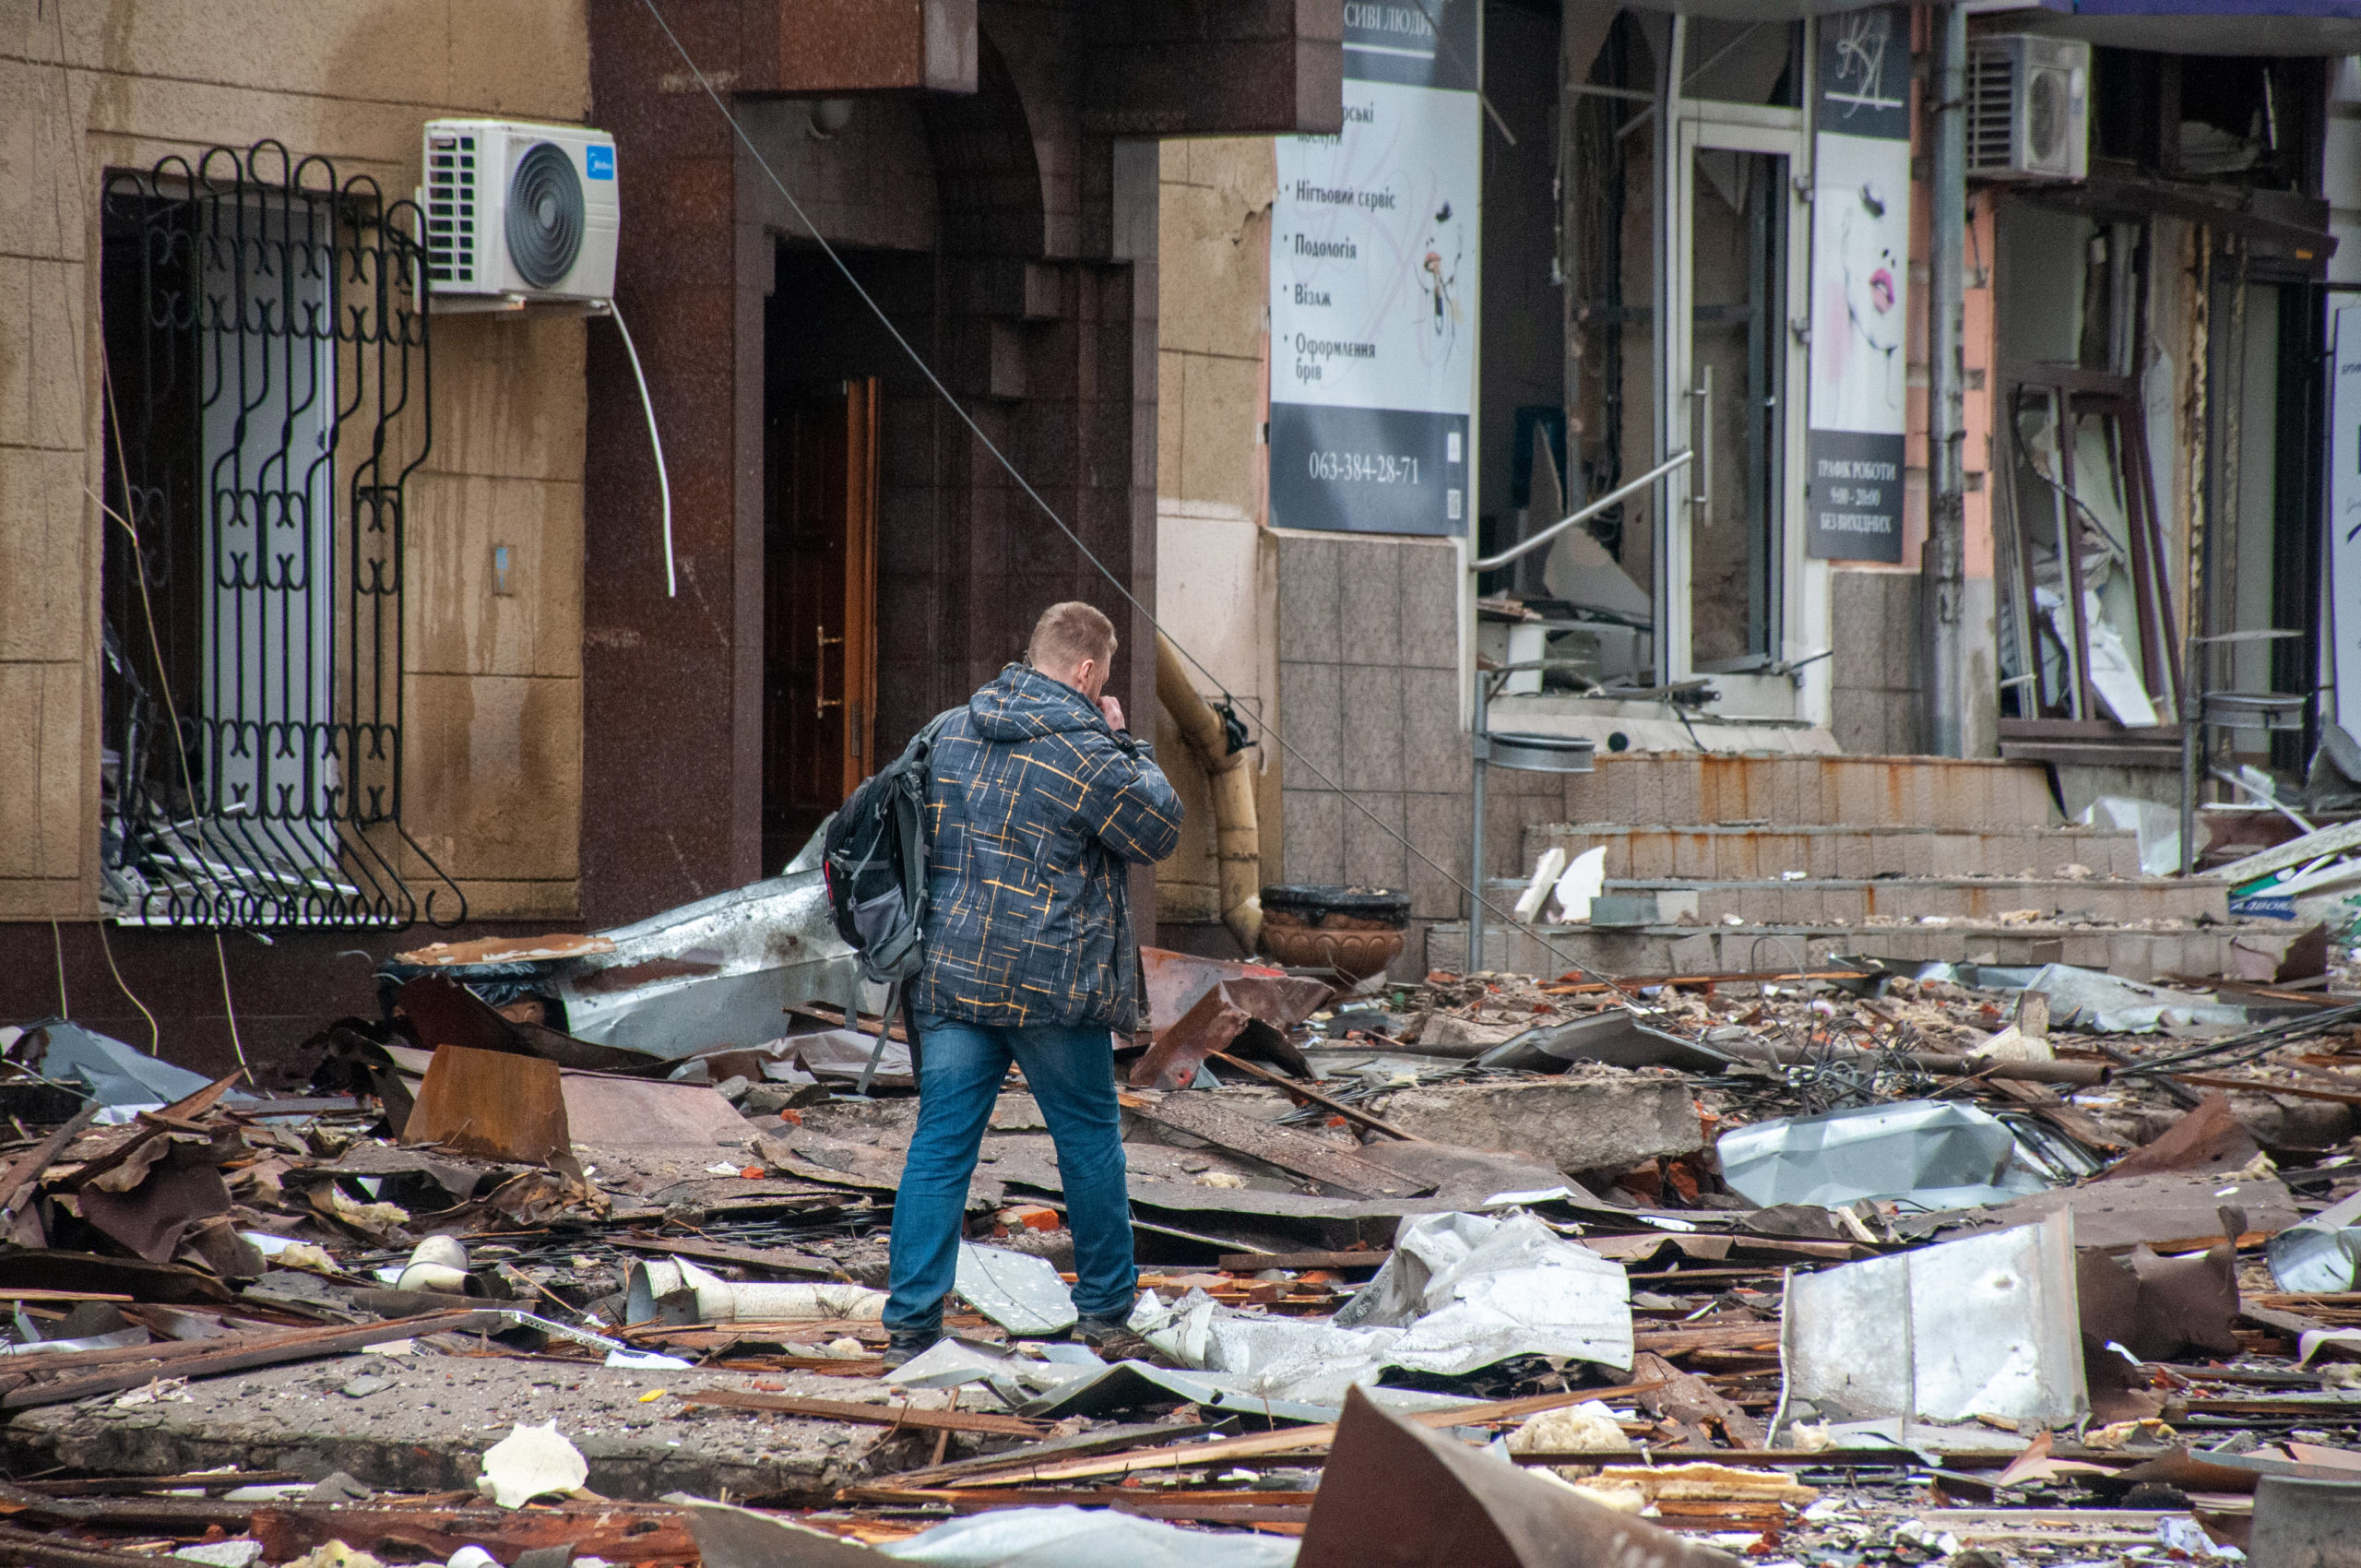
{"x": 1070, "y": 1070}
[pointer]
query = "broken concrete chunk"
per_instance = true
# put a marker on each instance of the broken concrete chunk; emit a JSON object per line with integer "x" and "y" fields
{"x": 1588, "y": 1119}
{"x": 238, "y": 1552}
{"x": 1447, "y": 1034}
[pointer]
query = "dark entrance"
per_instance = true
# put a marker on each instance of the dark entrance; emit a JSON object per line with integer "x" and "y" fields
{"x": 820, "y": 609}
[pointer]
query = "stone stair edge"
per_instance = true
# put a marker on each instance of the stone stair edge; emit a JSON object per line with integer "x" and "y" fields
{"x": 1881, "y": 759}
{"x": 2060, "y": 883}
{"x": 2070, "y": 831}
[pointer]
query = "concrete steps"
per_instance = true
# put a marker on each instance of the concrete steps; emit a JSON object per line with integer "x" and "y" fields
{"x": 1791, "y": 791}
{"x": 2248, "y": 951}
{"x": 1762, "y": 862}
{"x": 1886, "y": 901}
{"x": 1727, "y": 853}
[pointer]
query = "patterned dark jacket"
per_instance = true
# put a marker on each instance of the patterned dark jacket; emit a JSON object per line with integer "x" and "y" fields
{"x": 1035, "y": 805}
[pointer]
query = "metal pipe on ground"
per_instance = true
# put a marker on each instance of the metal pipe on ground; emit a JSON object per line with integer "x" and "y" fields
{"x": 1237, "y": 835}
{"x": 2081, "y": 1074}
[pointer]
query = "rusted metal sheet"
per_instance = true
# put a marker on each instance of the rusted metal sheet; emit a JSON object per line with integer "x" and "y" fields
{"x": 1209, "y": 1025}
{"x": 2172, "y": 1212}
{"x": 631, "y": 1112}
{"x": 493, "y": 1104}
{"x": 1393, "y": 1492}
{"x": 1341, "y": 1171}
{"x": 507, "y": 950}
{"x": 1175, "y": 981}
{"x": 1246, "y": 1015}
{"x": 2209, "y": 1139}
{"x": 617, "y": 1532}
{"x": 443, "y": 1012}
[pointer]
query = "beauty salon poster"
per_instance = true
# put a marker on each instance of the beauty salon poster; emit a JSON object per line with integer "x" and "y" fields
{"x": 1860, "y": 275}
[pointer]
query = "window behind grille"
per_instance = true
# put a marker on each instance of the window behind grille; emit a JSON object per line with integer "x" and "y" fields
{"x": 266, "y": 400}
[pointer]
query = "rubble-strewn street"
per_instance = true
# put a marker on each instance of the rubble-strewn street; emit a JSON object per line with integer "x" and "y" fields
{"x": 1851, "y": 1265}
{"x": 1129, "y": 784}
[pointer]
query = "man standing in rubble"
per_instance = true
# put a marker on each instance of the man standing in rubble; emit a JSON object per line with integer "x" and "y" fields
{"x": 1037, "y": 800}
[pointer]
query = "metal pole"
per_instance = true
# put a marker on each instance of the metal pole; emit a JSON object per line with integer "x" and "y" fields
{"x": 2192, "y": 724}
{"x": 1943, "y": 568}
{"x": 1482, "y": 748}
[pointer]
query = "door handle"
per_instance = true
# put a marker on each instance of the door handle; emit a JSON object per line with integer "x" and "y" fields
{"x": 820, "y": 703}
{"x": 1701, "y": 441}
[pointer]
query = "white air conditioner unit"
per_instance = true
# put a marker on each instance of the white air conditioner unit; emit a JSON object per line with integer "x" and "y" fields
{"x": 2028, "y": 107}
{"x": 516, "y": 213}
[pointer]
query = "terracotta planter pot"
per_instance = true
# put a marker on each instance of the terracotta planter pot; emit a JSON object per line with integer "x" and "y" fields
{"x": 1355, "y": 931}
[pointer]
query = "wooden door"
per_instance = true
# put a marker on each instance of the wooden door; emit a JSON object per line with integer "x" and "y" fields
{"x": 819, "y": 620}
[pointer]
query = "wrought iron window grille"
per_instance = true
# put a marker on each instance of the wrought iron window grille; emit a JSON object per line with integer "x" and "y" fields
{"x": 267, "y": 398}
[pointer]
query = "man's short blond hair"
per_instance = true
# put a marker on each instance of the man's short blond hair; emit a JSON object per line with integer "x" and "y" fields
{"x": 1066, "y": 634}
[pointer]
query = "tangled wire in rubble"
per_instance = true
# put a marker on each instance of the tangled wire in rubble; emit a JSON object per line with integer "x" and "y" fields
{"x": 1844, "y": 1062}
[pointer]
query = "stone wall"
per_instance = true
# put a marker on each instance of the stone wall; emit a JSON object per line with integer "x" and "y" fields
{"x": 1216, "y": 565}
{"x": 493, "y": 734}
{"x": 1877, "y": 706}
{"x": 1368, "y": 699}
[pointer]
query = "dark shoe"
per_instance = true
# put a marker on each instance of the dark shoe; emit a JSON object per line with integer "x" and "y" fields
{"x": 1111, "y": 1338}
{"x": 902, "y": 1344}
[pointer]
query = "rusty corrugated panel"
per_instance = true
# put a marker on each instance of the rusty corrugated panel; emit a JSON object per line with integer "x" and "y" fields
{"x": 1397, "y": 1495}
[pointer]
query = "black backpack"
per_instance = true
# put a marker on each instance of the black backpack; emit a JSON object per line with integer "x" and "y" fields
{"x": 873, "y": 858}
{"x": 874, "y": 855}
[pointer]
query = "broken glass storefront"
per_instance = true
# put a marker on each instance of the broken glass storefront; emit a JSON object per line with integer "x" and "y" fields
{"x": 1691, "y": 252}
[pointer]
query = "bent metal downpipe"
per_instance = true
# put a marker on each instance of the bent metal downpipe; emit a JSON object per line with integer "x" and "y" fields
{"x": 676, "y": 1291}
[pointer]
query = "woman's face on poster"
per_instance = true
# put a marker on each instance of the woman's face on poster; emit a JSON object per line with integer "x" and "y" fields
{"x": 1870, "y": 259}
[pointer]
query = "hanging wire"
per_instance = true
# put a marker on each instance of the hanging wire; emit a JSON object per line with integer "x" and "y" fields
{"x": 1479, "y": 904}
{"x": 155, "y": 1035}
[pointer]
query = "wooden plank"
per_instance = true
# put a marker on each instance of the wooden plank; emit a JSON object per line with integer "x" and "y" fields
{"x": 267, "y": 1350}
{"x": 1734, "y": 977}
{"x": 617, "y": 1532}
{"x": 1357, "y": 1117}
{"x": 2261, "y": 1085}
{"x": 110, "y": 1486}
{"x": 1247, "y": 1263}
{"x": 1131, "y": 1435}
{"x": 909, "y": 1416}
{"x": 1726, "y": 1336}
{"x": 2342, "y": 838}
{"x": 1311, "y": 1439}
{"x": 1313, "y": 1157}
{"x": 24, "y": 1173}
{"x": 38, "y": 1550}
{"x": 1765, "y": 1458}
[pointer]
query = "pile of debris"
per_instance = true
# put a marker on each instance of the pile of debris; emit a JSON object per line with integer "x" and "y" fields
{"x": 575, "y": 1255}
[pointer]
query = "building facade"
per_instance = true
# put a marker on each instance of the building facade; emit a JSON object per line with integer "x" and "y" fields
{"x": 395, "y": 654}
